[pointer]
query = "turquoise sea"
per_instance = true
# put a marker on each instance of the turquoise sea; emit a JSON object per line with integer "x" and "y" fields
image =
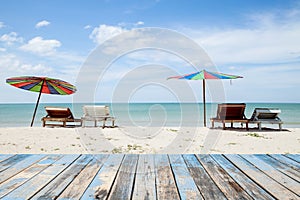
{"x": 145, "y": 114}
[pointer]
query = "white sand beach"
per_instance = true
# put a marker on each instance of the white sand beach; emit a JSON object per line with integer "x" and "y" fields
{"x": 170, "y": 140}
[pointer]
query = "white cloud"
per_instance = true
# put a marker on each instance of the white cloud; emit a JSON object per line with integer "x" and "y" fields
{"x": 2, "y": 25}
{"x": 139, "y": 23}
{"x": 87, "y": 27}
{"x": 104, "y": 32}
{"x": 11, "y": 38}
{"x": 40, "y": 46}
{"x": 42, "y": 23}
{"x": 2, "y": 49}
{"x": 10, "y": 63}
{"x": 269, "y": 40}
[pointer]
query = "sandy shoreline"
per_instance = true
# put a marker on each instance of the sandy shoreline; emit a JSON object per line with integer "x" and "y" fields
{"x": 169, "y": 140}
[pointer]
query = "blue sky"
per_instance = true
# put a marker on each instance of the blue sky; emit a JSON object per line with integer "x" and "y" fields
{"x": 258, "y": 39}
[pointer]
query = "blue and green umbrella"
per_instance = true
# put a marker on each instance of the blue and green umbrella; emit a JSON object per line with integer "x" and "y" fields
{"x": 202, "y": 75}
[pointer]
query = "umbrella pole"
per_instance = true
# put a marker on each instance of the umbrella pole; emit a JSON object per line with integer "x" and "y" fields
{"x": 36, "y": 105}
{"x": 204, "y": 104}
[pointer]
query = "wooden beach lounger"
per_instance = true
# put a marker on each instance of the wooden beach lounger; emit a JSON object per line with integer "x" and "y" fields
{"x": 97, "y": 113}
{"x": 266, "y": 115}
{"x": 230, "y": 113}
{"x": 59, "y": 114}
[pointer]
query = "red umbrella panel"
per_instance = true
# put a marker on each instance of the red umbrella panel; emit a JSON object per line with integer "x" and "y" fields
{"x": 42, "y": 85}
{"x": 202, "y": 75}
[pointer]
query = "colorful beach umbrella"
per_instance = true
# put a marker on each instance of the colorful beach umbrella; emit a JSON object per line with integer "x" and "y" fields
{"x": 41, "y": 85}
{"x": 202, "y": 75}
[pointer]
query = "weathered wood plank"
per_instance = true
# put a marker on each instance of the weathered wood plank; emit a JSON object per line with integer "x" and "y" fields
{"x": 270, "y": 185}
{"x": 57, "y": 185}
{"x": 186, "y": 186}
{"x": 11, "y": 161}
{"x": 281, "y": 178}
{"x": 226, "y": 184}
{"x": 287, "y": 161}
{"x": 280, "y": 167}
{"x": 295, "y": 157}
{"x": 78, "y": 186}
{"x": 5, "y": 156}
{"x": 19, "y": 166}
{"x": 39, "y": 181}
{"x": 165, "y": 182}
{"x": 144, "y": 186}
{"x": 123, "y": 184}
{"x": 100, "y": 186}
{"x": 205, "y": 184}
{"x": 245, "y": 182}
{"x": 17, "y": 180}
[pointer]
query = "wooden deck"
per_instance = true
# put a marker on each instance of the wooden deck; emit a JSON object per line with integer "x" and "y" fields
{"x": 130, "y": 176}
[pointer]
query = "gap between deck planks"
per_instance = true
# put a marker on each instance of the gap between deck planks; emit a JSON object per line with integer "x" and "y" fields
{"x": 130, "y": 176}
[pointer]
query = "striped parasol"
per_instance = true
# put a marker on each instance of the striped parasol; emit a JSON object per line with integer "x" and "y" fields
{"x": 42, "y": 85}
{"x": 202, "y": 75}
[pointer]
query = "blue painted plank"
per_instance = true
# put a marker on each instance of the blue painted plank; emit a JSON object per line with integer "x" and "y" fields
{"x": 123, "y": 184}
{"x": 208, "y": 188}
{"x": 274, "y": 173}
{"x": 226, "y": 184}
{"x": 78, "y": 186}
{"x": 165, "y": 182}
{"x": 186, "y": 186}
{"x": 295, "y": 157}
{"x": 144, "y": 186}
{"x": 26, "y": 174}
{"x": 285, "y": 169}
{"x": 4, "y": 157}
{"x": 12, "y": 160}
{"x": 19, "y": 165}
{"x": 244, "y": 181}
{"x": 39, "y": 181}
{"x": 55, "y": 187}
{"x": 287, "y": 161}
{"x": 266, "y": 182}
{"x": 103, "y": 181}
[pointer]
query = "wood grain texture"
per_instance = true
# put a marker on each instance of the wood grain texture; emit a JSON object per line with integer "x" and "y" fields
{"x": 222, "y": 179}
{"x": 144, "y": 186}
{"x": 165, "y": 183}
{"x": 266, "y": 182}
{"x": 118, "y": 176}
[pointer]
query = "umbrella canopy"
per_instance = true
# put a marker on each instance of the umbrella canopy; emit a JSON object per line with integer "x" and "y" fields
{"x": 42, "y": 85}
{"x": 202, "y": 75}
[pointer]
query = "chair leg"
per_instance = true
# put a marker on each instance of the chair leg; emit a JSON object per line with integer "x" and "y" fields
{"x": 259, "y": 126}
{"x": 247, "y": 128}
{"x": 212, "y": 123}
{"x": 103, "y": 123}
{"x": 113, "y": 123}
{"x": 224, "y": 125}
{"x": 280, "y": 127}
{"x": 231, "y": 124}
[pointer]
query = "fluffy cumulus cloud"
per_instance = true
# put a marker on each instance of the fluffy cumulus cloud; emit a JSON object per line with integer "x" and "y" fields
{"x": 269, "y": 40}
{"x": 40, "y": 46}
{"x": 104, "y": 32}
{"x": 11, "y": 38}
{"x": 42, "y": 23}
{"x": 11, "y": 63}
{"x": 2, "y": 25}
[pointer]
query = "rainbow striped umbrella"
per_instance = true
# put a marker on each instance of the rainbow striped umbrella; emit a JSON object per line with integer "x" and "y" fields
{"x": 202, "y": 75}
{"x": 41, "y": 85}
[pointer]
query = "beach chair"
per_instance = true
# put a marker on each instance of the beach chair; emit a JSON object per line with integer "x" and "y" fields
{"x": 230, "y": 113}
{"x": 60, "y": 115}
{"x": 97, "y": 113}
{"x": 266, "y": 115}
